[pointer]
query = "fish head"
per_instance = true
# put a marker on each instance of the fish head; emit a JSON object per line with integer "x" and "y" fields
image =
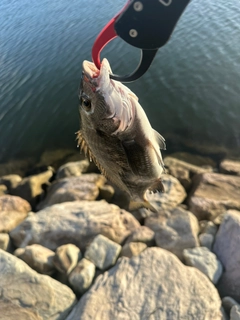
{"x": 105, "y": 104}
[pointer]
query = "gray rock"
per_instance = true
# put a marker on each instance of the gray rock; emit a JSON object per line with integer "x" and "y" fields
{"x": 66, "y": 257}
{"x": 228, "y": 166}
{"x": 25, "y": 294}
{"x": 73, "y": 169}
{"x": 103, "y": 252}
{"x": 227, "y": 249}
{"x": 175, "y": 230}
{"x": 142, "y": 234}
{"x": 31, "y": 188}
{"x": 133, "y": 249}
{"x": 174, "y": 194}
{"x": 76, "y": 222}
{"x": 10, "y": 219}
{"x": 10, "y": 181}
{"x": 228, "y": 303}
{"x": 235, "y": 313}
{"x": 82, "y": 276}
{"x": 153, "y": 285}
{"x": 213, "y": 194}
{"x": 37, "y": 257}
{"x": 84, "y": 187}
{"x": 205, "y": 261}
{"x": 206, "y": 240}
{"x": 4, "y": 241}
{"x": 209, "y": 228}
{"x": 14, "y": 203}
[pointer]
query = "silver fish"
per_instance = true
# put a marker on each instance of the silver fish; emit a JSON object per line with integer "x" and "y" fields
{"x": 116, "y": 134}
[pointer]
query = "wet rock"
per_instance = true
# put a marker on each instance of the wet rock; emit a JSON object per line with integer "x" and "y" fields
{"x": 14, "y": 203}
{"x": 4, "y": 241}
{"x": 173, "y": 195}
{"x": 213, "y": 194}
{"x": 85, "y": 187}
{"x": 228, "y": 166}
{"x": 153, "y": 285}
{"x": 103, "y": 252}
{"x": 10, "y": 181}
{"x": 82, "y": 276}
{"x": 133, "y": 249}
{"x": 228, "y": 303}
{"x": 205, "y": 261}
{"x": 37, "y": 257}
{"x": 175, "y": 230}
{"x": 206, "y": 240}
{"x": 227, "y": 249}
{"x": 142, "y": 234}
{"x": 73, "y": 169}
{"x": 25, "y": 294}
{"x": 235, "y": 313}
{"x": 31, "y": 188}
{"x": 3, "y": 189}
{"x": 183, "y": 171}
{"x": 76, "y": 222}
{"x": 10, "y": 219}
{"x": 66, "y": 258}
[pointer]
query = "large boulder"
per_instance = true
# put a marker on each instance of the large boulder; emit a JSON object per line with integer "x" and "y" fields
{"x": 153, "y": 285}
{"x": 76, "y": 222}
{"x": 14, "y": 203}
{"x": 85, "y": 187}
{"x": 227, "y": 248}
{"x": 229, "y": 166}
{"x": 25, "y": 294}
{"x": 213, "y": 194}
{"x": 175, "y": 230}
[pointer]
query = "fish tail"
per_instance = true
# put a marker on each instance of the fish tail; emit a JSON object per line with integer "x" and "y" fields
{"x": 134, "y": 205}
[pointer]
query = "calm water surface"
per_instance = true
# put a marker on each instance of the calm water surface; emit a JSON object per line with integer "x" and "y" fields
{"x": 191, "y": 92}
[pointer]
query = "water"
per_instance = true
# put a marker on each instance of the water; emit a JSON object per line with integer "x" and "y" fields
{"x": 191, "y": 92}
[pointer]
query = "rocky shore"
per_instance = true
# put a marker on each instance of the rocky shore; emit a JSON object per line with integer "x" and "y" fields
{"x": 70, "y": 249}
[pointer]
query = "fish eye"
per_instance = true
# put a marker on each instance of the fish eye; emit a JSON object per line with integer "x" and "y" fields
{"x": 86, "y": 104}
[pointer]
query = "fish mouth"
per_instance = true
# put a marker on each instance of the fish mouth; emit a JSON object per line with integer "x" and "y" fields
{"x": 100, "y": 78}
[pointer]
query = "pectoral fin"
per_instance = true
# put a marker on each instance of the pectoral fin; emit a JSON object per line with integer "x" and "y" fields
{"x": 160, "y": 140}
{"x": 134, "y": 153}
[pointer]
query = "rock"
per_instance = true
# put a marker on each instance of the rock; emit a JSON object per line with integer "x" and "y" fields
{"x": 153, "y": 285}
{"x": 10, "y": 181}
{"x": 19, "y": 166}
{"x": 213, "y": 194}
{"x": 219, "y": 219}
{"x": 10, "y": 219}
{"x": 82, "y": 276}
{"x": 209, "y": 228}
{"x": 3, "y": 190}
{"x": 4, "y": 241}
{"x": 206, "y": 240}
{"x": 66, "y": 257}
{"x": 175, "y": 230}
{"x": 227, "y": 249}
{"x": 106, "y": 192}
{"x": 133, "y": 249}
{"x": 174, "y": 194}
{"x": 103, "y": 252}
{"x": 228, "y": 166}
{"x": 13, "y": 203}
{"x": 73, "y": 169}
{"x": 37, "y": 257}
{"x": 194, "y": 159}
{"x": 31, "y": 188}
{"x": 183, "y": 171}
{"x": 25, "y": 294}
{"x": 58, "y": 157}
{"x": 228, "y": 303}
{"x": 205, "y": 261}
{"x": 142, "y": 234}
{"x": 235, "y": 313}
{"x": 75, "y": 222}
{"x": 85, "y": 187}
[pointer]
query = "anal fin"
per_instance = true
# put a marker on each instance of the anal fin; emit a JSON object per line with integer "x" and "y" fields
{"x": 157, "y": 186}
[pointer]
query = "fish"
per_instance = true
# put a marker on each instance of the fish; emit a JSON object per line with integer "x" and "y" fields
{"x": 116, "y": 134}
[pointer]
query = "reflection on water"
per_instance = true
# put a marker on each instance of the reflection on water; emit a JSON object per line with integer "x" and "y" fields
{"x": 190, "y": 93}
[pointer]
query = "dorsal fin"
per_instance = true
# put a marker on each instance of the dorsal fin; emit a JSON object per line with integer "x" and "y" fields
{"x": 160, "y": 140}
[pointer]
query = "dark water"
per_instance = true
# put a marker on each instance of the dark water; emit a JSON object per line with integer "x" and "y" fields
{"x": 191, "y": 92}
